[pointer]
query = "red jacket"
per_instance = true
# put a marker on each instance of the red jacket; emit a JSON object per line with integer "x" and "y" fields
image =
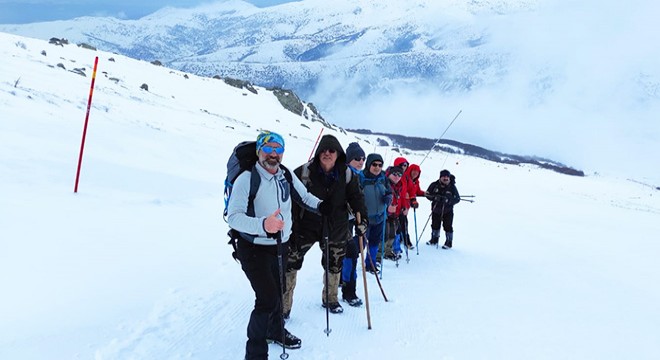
{"x": 414, "y": 188}
{"x": 399, "y": 195}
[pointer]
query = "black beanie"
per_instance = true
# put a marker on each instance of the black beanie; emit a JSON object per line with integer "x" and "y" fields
{"x": 444, "y": 172}
{"x": 353, "y": 151}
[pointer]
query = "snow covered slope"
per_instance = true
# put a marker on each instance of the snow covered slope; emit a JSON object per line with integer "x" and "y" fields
{"x": 136, "y": 265}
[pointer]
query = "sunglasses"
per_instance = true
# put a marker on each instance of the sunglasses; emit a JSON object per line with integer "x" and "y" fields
{"x": 360, "y": 158}
{"x": 331, "y": 151}
{"x": 377, "y": 165}
{"x": 270, "y": 149}
{"x": 404, "y": 165}
{"x": 397, "y": 174}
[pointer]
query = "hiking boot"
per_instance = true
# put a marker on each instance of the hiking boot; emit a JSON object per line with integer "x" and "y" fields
{"x": 390, "y": 256}
{"x": 411, "y": 246}
{"x": 450, "y": 238}
{"x": 290, "y": 341}
{"x": 433, "y": 241}
{"x": 334, "y": 307}
{"x": 356, "y": 301}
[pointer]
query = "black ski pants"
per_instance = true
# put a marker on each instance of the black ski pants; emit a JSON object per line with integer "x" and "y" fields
{"x": 259, "y": 262}
{"x": 446, "y": 219}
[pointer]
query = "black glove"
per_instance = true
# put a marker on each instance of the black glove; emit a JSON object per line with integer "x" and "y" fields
{"x": 325, "y": 208}
{"x": 413, "y": 203}
{"x": 361, "y": 228}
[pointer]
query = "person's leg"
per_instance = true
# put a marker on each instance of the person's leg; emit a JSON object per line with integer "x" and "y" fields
{"x": 259, "y": 263}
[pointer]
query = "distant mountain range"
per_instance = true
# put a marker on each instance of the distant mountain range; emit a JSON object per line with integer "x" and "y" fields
{"x": 451, "y": 146}
{"x": 303, "y": 44}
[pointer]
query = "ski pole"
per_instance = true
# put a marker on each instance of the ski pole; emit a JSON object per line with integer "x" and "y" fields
{"x": 443, "y": 134}
{"x": 358, "y": 220}
{"x": 468, "y": 200}
{"x": 280, "y": 267}
{"x": 416, "y": 237}
{"x": 327, "y": 330}
{"x": 427, "y": 222}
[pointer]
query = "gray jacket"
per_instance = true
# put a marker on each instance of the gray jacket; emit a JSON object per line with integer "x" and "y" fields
{"x": 274, "y": 193}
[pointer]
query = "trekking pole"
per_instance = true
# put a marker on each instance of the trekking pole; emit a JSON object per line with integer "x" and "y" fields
{"x": 427, "y": 222}
{"x": 443, "y": 134}
{"x": 327, "y": 330}
{"x": 468, "y": 200}
{"x": 280, "y": 267}
{"x": 358, "y": 220}
{"x": 416, "y": 237}
{"x": 373, "y": 268}
{"x": 382, "y": 243}
{"x": 467, "y": 196}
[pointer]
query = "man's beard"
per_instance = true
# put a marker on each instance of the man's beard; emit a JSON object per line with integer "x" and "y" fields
{"x": 271, "y": 163}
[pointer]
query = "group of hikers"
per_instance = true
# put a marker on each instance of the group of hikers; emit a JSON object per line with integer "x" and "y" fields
{"x": 336, "y": 194}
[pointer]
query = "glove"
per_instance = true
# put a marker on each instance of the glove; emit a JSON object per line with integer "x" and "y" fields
{"x": 361, "y": 228}
{"x": 325, "y": 208}
{"x": 413, "y": 203}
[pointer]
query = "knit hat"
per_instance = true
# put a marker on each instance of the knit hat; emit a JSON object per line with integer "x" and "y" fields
{"x": 394, "y": 169}
{"x": 266, "y": 137}
{"x": 354, "y": 151}
{"x": 444, "y": 172}
{"x": 371, "y": 158}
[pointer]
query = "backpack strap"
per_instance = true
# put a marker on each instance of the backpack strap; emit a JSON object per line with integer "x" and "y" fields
{"x": 255, "y": 181}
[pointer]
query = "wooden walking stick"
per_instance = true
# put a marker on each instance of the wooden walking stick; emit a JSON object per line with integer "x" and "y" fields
{"x": 364, "y": 272}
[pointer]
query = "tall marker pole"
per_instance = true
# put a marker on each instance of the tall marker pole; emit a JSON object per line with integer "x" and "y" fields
{"x": 89, "y": 106}
{"x": 316, "y": 143}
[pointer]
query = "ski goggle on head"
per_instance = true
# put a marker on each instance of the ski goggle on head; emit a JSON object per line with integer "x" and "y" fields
{"x": 270, "y": 149}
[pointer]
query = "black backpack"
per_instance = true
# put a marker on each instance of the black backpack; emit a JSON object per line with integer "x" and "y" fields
{"x": 244, "y": 158}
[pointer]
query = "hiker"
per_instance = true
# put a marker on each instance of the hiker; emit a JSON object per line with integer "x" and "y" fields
{"x": 411, "y": 176}
{"x": 377, "y": 196}
{"x": 259, "y": 235}
{"x": 355, "y": 158}
{"x": 392, "y": 251}
{"x": 327, "y": 177}
{"x": 405, "y": 195}
{"x": 443, "y": 195}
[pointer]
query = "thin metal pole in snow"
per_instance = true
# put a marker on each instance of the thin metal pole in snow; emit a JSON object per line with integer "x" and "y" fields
{"x": 443, "y": 134}
{"x": 89, "y": 106}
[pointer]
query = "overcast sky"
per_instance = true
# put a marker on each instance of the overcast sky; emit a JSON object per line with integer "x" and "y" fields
{"x": 27, "y": 11}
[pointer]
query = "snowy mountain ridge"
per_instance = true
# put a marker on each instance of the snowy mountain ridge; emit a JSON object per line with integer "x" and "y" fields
{"x": 294, "y": 44}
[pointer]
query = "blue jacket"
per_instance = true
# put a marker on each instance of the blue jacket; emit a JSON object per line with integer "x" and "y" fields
{"x": 377, "y": 195}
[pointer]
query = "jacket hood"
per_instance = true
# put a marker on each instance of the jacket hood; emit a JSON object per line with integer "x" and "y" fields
{"x": 400, "y": 160}
{"x": 330, "y": 142}
{"x": 371, "y": 158}
{"x": 412, "y": 167}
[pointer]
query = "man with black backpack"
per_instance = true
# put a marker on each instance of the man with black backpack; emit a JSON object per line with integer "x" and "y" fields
{"x": 261, "y": 226}
{"x": 443, "y": 195}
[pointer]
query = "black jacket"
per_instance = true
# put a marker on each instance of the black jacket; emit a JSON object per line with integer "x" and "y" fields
{"x": 330, "y": 187}
{"x": 443, "y": 198}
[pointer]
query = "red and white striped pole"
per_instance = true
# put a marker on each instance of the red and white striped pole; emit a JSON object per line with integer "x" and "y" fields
{"x": 89, "y": 106}
{"x": 317, "y": 141}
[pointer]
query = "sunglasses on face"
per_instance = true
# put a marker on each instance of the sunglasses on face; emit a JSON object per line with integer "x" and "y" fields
{"x": 270, "y": 149}
{"x": 404, "y": 165}
{"x": 331, "y": 151}
{"x": 397, "y": 174}
{"x": 360, "y": 158}
{"x": 377, "y": 165}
